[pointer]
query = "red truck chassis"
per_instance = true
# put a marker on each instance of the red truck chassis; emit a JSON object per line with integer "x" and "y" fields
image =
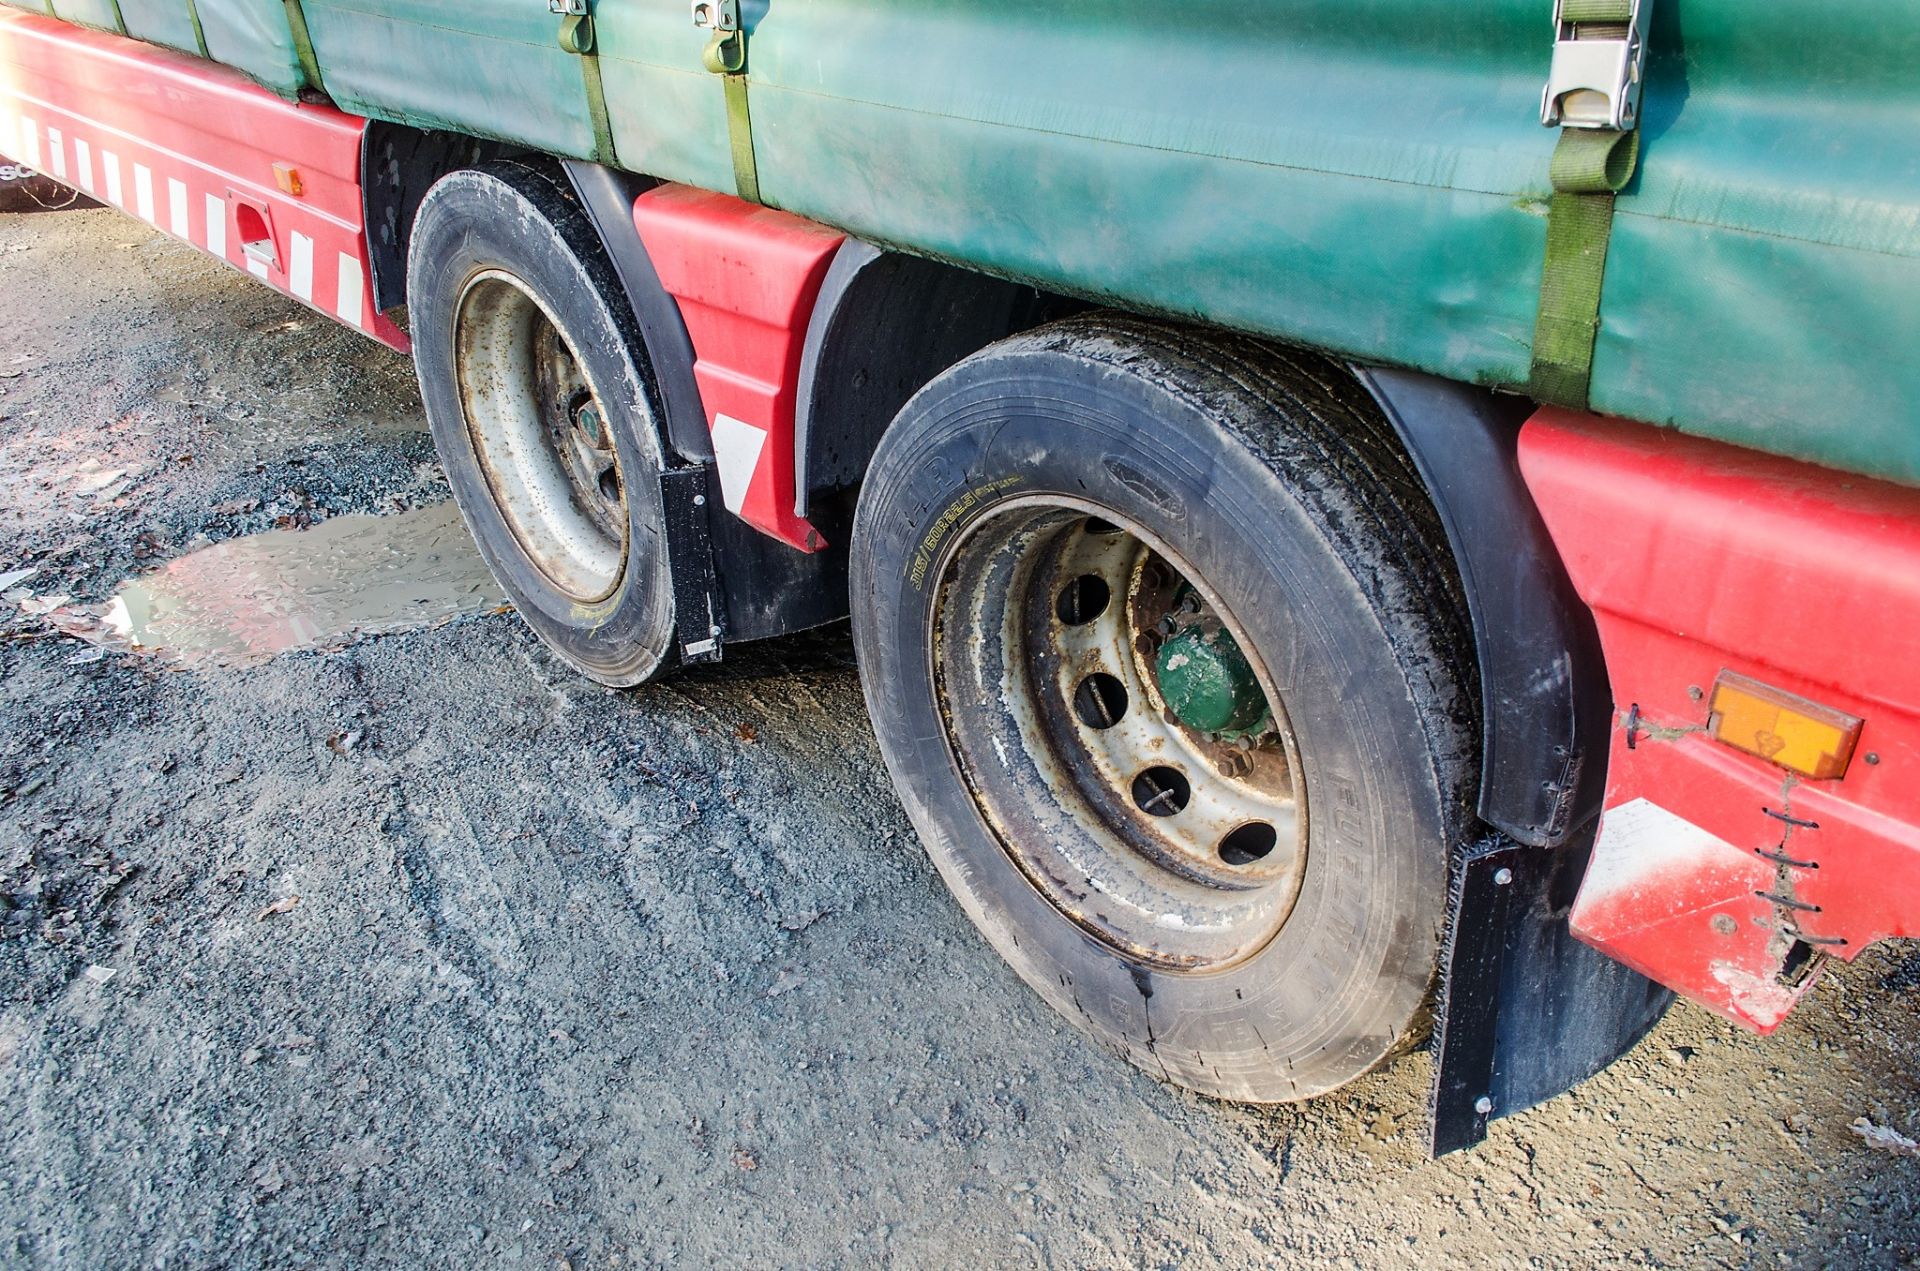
{"x": 1718, "y": 872}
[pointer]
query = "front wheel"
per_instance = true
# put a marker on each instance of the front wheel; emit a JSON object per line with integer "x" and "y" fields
{"x": 1165, "y": 654}
{"x": 530, "y": 370}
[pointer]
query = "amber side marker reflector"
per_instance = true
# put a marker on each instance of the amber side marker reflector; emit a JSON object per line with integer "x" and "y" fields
{"x": 287, "y": 177}
{"x": 1784, "y": 728}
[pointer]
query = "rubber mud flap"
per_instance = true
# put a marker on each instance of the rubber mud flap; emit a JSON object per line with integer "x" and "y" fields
{"x": 1273, "y": 478}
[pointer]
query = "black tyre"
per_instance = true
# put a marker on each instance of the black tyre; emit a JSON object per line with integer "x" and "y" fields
{"x": 1169, "y": 663}
{"x": 532, "y": 376}
{"x": 24, "y": 190}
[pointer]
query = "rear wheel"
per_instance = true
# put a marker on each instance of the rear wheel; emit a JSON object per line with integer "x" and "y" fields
{"x": 1168, "y": 669}
{"x": 531, "y": 376}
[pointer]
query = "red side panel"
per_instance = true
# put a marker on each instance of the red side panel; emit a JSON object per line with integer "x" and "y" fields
{"x": 746, "y": 278}
{"x": 1698, "y": 558}
{"x": 190, "y": 147}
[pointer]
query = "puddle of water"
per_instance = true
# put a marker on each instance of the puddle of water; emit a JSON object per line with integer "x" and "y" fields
{"x": 240, "y": 602}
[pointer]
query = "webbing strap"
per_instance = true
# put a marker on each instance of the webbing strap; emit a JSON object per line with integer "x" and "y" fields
{"x": 746, "y": 172}
{"x": 726, "y": 56}
{"x": 1589, "y": 167}
{"x": 597, "y": 109}
{"x": 199, "y": 32}
{"x": 303, "y": 46}
{"x": 577, "y": 37}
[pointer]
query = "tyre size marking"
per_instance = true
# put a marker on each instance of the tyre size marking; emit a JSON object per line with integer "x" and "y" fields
{"x": 944, "y": 523}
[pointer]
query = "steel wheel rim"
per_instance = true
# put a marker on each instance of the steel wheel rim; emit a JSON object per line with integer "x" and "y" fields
{"x": 1165, "y": 871}
{"x": 540, "y": 432}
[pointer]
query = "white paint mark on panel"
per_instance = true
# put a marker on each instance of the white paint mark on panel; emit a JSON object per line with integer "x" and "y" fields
{"x": 350, "y": 299}
{"x": 217, "y": 226}
{"x": 143, "y": 192}
{"x": 300, "y": 272}
{"x": 736, "y": 451}
{"x": 177, "y": 208}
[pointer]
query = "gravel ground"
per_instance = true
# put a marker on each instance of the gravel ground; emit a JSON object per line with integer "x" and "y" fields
{"x": 613, "y": 979}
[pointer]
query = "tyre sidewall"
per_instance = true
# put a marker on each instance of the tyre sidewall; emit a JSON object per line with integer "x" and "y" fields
{"x": 478, "y": 220}
{"x": 1350, "y": 971}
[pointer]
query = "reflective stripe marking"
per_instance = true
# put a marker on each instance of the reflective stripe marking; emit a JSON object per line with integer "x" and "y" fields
{"x": 111, "y": 162}
{"x": 350, "y": 298}
{"x": 58, "y": 153}
{"x": 300, "y": 272}
{"x": 257, "y": 267}
{"x": 177, "y": 208}
{"x": 29, "y": 142}
{"x": 736, "y": 452}
{"x": 217, "y": 226}
{"x": 83, "y": 162}
{"x": 143, "y": 192}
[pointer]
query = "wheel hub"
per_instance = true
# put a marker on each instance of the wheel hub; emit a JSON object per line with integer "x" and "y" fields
{"x": 1207, "y": 681}
{"x": 1122, "y": 742}
{"x": 542, "y": 438}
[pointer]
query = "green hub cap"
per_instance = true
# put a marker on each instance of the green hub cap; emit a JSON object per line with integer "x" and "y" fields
{"x": 1207, "y": 682}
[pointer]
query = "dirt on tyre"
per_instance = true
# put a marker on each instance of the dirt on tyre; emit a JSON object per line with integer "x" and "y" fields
{"x": 543, "y": 414}
{"x": 1171, "y": 669}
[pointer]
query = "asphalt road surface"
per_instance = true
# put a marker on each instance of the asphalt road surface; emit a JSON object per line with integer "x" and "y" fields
{"x": 418, "y": 949}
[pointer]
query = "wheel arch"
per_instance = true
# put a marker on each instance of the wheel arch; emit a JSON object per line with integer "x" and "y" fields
{"x": 884, "y": 325}
{"x": 762, "y": 587}
{"x": 1544, "y": 697}
{"x": 398, "y": 165}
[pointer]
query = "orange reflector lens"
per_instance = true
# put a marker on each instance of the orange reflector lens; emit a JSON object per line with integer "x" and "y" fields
{"x": 287, "y": 177}
{"x": 1783, "y": 728}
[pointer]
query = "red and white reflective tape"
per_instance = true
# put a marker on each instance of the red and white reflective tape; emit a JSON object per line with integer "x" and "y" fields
{"x": 191, "y": 150}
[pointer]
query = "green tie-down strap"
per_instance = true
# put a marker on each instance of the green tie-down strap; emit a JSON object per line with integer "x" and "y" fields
{"x": 726, "y": 56}
{"x": 577, "y": 37}
{"x": 303, "y": 46}
{"x": 746, "y": 172}
{"x": 199, "y": 32}
{"x": 1589, "y": 167}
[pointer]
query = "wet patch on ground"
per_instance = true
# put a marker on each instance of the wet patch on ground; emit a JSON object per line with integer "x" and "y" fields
{"x": 240, "y": 602}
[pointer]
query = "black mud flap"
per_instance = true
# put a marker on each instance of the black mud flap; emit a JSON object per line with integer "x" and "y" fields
{"x": 1526, "y": 1011}
{"x": 699, "y": 611}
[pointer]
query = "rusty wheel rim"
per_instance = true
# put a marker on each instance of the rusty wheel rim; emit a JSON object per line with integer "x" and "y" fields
{"x": 1177, "y": 845}
{"x": 542, "y": 436}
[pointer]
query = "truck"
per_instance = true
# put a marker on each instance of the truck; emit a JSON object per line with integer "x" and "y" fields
{"x": 1363, "y": 525}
